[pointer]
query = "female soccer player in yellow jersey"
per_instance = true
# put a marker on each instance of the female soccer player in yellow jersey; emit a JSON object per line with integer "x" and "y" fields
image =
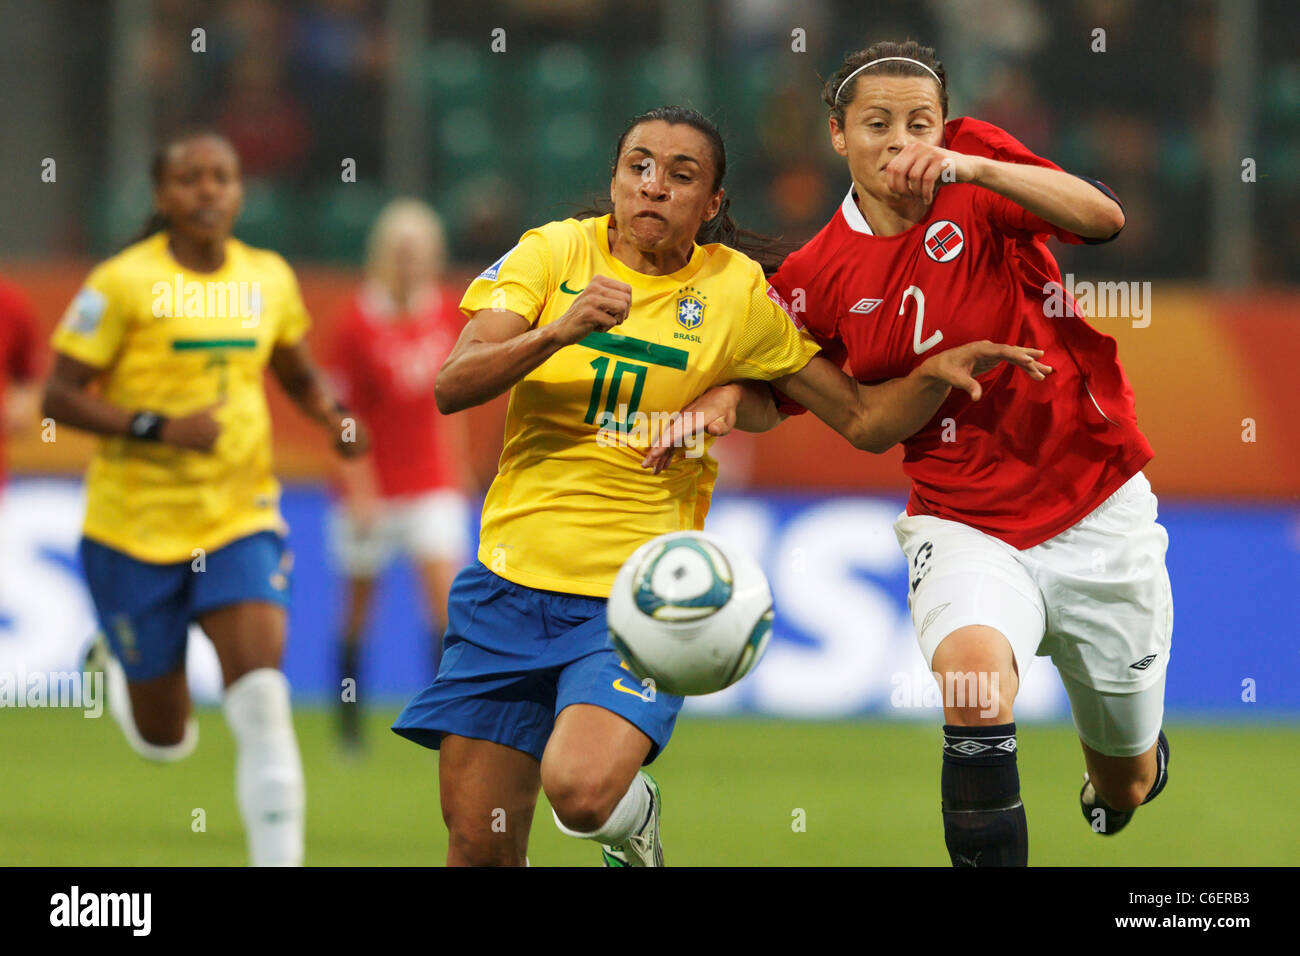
{"x": 597, "y": 324}
{"x": 161, "y": 354}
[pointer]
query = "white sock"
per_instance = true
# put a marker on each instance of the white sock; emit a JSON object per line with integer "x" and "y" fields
{"x": 119, "y": 705}
{"x": 628, "y": 817}
{"x": 268, "y": 770}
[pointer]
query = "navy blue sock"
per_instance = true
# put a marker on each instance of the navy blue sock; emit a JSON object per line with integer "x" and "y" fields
{"x": 983, "y": 818}
{"x": 1162, "y": 767}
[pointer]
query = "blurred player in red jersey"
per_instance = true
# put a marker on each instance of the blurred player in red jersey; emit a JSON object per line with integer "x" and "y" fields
{"x": 18, "y": 373}
{"x": 1030, "y": 528}
{"x": 406, "y": 496}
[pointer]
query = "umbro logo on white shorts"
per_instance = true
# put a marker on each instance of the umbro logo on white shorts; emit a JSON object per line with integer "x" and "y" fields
{"x": 1144, "y": 663}
{"x": 866, "y": 306}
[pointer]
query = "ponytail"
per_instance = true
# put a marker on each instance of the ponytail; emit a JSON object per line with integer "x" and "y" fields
{"x": 156, "y": 222}
{"x": 767, "y": 251}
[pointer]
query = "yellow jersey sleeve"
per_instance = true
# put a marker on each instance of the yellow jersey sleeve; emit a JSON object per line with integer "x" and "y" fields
{"x": 520, "y": 281}
{"x": 94, "y": 325}
{"x": 769, "y": 344}
{"x": 294, "y": 320}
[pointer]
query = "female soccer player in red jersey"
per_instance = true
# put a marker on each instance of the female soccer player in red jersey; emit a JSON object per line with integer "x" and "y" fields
{"x": 1030, "y": 528}
{"x": 405, "y": 497}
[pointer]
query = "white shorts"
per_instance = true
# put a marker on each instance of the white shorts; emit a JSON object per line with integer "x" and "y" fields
{"x": 427, "y": 527}
{"x": 1095, "y": 599}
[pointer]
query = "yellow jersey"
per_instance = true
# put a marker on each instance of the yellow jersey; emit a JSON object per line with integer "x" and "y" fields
{"x": 571, "y": 501}
{"x": 174, "y": 342}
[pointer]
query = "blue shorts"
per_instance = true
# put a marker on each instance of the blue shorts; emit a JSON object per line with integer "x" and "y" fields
{"x": 514, "y": 657}
{"x": 145, "y": 609}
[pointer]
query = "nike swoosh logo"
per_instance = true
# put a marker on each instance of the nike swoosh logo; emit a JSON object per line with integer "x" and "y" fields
{"x": 618, "y": 685}
{"x": 564, "y": 287}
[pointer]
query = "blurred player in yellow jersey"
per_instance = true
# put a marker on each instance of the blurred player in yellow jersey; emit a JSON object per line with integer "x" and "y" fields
{"x": 602, "y": 327}
{"x": 161, "y": 354}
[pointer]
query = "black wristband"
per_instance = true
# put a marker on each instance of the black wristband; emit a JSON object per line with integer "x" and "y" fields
{"x": 146, "y": 426}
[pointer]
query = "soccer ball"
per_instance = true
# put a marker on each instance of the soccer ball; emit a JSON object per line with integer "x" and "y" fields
{"x": 690, "y": 612}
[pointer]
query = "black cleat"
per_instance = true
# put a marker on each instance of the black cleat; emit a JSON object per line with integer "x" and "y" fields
{"x": 1103, "y": 819}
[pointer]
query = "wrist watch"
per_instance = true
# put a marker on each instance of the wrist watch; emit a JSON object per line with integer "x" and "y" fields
{"x": 146, "y": 426}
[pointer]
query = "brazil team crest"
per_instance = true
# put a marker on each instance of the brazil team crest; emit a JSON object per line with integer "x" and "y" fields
{"x": 690, "y": 309}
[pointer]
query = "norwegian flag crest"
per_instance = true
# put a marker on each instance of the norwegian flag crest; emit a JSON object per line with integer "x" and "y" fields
{"x": 944, "y": 241}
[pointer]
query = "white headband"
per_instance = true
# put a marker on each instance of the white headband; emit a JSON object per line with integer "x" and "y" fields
{"x": 905, "y": 59}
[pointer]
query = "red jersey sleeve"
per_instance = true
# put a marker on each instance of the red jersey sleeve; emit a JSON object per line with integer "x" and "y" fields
{"x": 977, "y": 138}
{"x": 21, "y": 360}
{"x": 812, "y": 310}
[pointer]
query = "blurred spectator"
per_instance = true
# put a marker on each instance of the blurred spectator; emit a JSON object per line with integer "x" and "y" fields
{"x": 339, "y": 54}
{"x": 264, "y": 122}
{"x": 1011, "y": 101}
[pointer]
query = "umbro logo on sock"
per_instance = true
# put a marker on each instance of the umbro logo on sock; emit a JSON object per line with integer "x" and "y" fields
{"x": 970, "y": 747}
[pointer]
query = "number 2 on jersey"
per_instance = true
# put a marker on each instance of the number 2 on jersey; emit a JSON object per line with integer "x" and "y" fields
{"x": 917, "y": 345}
{"x": 609, "y": 419}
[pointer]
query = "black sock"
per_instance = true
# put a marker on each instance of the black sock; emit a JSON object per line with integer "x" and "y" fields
{"x": 983, "y": 818}
{"x": 349, "y": 706}
{"x": 1162, "y": 768}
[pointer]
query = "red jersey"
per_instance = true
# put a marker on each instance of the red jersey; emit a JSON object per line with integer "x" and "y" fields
{"x": 385, "y": 365}
{"x": 17, "y": 344}
{"x": 1030, "y": 458}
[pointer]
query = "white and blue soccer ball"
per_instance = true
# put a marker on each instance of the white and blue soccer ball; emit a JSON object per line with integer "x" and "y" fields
{"x": 690, "y": 612}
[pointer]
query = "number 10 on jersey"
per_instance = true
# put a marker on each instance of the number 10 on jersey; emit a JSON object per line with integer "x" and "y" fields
{"x": 608, "y": 418}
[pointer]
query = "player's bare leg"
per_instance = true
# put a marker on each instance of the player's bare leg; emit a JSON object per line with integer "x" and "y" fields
{"x": 591, "y": 772}
{"x": 154, "y": 715}
{"x": 249, "y": 639}
{"x": 436, "y": 576}
{"x": 1123, "y": 782}
{"x": 359, "y": 593}
{"x": 160, "y": 708}
{"x": 489, "y": 792}
{"x": 1115, "y": 787}
{"x": 1123, "y": 771}
{"x": 983, "y": 817}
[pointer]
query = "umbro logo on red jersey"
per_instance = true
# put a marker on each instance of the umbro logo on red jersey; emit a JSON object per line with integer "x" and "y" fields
{"x": 866, "y": 306}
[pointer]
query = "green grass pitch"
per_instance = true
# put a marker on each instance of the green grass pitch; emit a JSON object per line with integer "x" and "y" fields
{"x": 75, "y": 795}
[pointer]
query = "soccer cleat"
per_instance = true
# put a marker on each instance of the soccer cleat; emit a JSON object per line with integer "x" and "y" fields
{"x": 350, "y": 739}
{"x": 99, "y": 660}
{"x": 96, "y": 659}
{"x": 643, "y": 847}
{"x": 1102, "y": 818}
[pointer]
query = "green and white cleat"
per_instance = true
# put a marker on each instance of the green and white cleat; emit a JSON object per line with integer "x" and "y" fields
{"x": 643, "y": 847}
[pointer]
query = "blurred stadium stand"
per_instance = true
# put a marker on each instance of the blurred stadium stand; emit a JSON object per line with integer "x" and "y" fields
{"x": 1185, "y": 90}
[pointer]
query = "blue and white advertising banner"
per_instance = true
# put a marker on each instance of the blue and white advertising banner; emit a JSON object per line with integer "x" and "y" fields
{"x": 843, "y": 643}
